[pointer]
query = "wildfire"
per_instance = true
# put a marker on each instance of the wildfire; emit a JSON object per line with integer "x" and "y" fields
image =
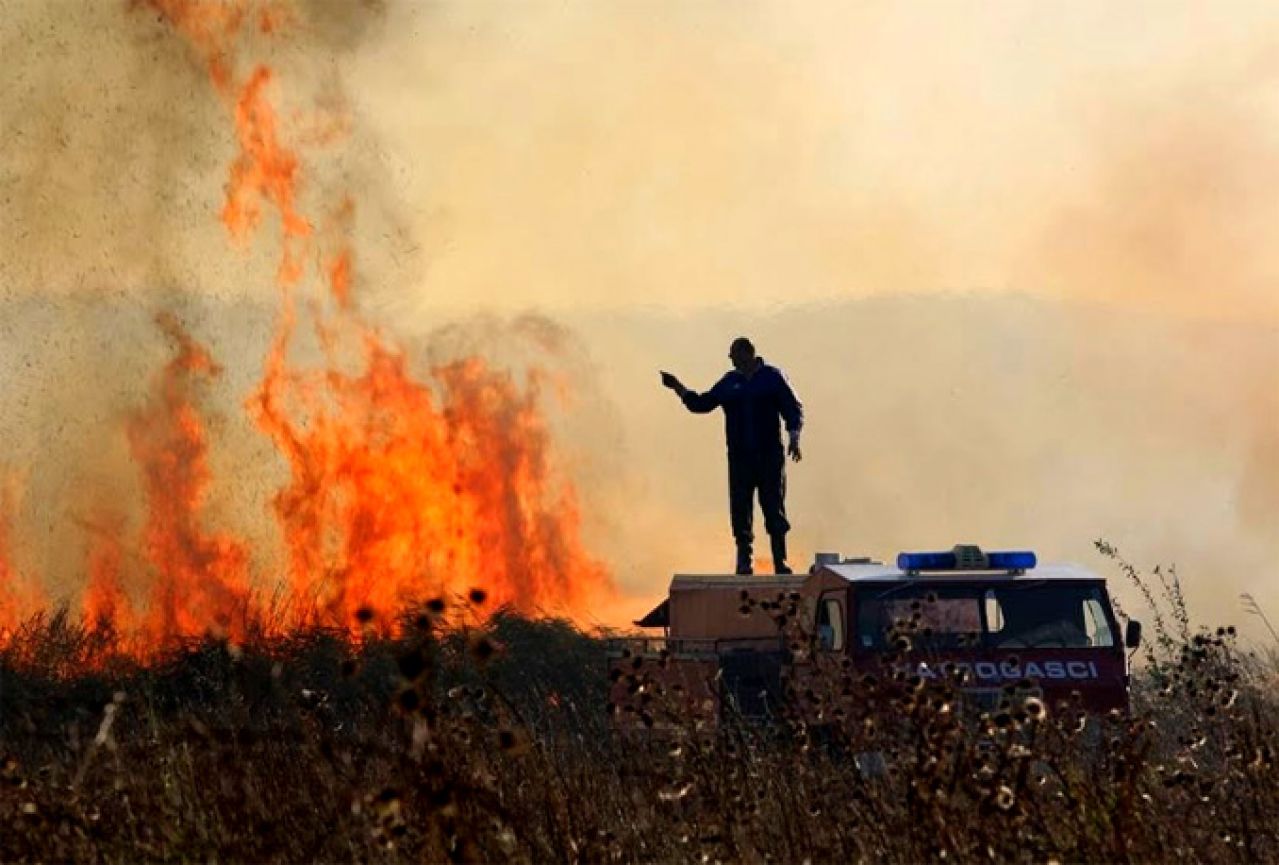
{"x": 394, "y": 490}
{"x": 399, "y": 489}
{"x": 200, "y": 580}
{"x": 20, "y": 596}
{"x": 105, "y": 602}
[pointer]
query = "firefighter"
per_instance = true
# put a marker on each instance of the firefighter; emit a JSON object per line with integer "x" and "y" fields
{"x": 755, "y": 396}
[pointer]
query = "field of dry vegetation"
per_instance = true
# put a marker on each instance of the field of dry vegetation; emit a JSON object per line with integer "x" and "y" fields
{"x": 494, "y": 744}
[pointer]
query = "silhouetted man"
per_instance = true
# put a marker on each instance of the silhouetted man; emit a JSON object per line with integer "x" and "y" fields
{"x": 756, "y": 398}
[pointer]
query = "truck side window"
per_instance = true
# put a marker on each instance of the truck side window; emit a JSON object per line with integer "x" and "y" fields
{"x": 994, "y": 613}
{"x": 830, "y": 624}
{"x": 1096, "y": 625}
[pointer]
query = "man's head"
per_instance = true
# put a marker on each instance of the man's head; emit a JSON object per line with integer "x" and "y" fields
{"x": 742, "y": 354}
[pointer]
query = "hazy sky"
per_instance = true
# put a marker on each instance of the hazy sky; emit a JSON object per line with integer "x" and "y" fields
{"x": 554, "y": 155}
{"x": 689, "y": 155}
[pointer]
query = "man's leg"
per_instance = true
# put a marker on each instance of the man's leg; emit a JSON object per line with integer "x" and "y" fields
{"x": 741, "y": 506}
{"x": 772, "y": 501}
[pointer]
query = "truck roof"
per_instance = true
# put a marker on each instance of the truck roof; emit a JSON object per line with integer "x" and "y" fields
{"x": 863, "y": 572}
{"x": 856, "y": 572}
{"x": 749, "y": 581}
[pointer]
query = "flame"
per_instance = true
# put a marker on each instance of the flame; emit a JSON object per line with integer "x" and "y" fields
{"x": 396, "y": 493}
{"x": 211, "y": 27}
{"x": 20, "y": 596}
{"x": 340, "y": 278}
{"x": 264, "y": 170}
{"x": 399, "y": 488}
{"x": 105, "y": 602}
{"x": 200, "y": 578}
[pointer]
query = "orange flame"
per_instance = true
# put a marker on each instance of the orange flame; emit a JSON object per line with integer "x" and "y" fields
{"x": 20, "y": 596}
{"x": 399, "y": 490}
{"x": 200, "y": 579}
{"x": 263, "y": 170}
{"x": 340, "y": 278}
{"x": 105, "y": 602}
{"x": 396, "y": 496}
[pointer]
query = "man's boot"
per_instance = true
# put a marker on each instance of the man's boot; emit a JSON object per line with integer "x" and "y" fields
{"x": 745, "y": 559}
{"x": 779, "y": 555}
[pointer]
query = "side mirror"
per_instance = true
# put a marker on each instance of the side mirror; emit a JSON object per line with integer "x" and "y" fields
{"x": 1132, "y": 634}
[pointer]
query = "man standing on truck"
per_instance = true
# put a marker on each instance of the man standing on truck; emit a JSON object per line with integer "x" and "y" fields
{"x": 756, "y": 399}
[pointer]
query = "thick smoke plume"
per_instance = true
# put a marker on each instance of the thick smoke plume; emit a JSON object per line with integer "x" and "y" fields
{"x": 1016, "y": 260}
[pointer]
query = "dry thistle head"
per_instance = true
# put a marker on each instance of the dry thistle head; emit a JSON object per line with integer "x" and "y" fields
{"x": 482, "y": 649}
{"x": 408, "y": 700}
{"x": 514, "y": 741}
{"x": 412, "y": 663}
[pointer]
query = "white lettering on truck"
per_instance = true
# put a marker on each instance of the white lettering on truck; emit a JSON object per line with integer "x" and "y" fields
{"x": 1006, "y": 670}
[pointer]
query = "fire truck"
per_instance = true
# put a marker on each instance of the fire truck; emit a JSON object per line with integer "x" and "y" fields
{"x": 985, "y": 620}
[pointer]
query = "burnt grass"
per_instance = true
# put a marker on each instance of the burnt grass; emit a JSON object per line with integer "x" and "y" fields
{"x": 500, "y": 743}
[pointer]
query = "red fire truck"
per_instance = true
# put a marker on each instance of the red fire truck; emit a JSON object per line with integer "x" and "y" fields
{"x": 986, "y": 620}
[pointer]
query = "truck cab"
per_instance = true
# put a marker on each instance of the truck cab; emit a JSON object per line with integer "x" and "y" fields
{"x": 998, "y": 619}
{"x": 986, "y": 620}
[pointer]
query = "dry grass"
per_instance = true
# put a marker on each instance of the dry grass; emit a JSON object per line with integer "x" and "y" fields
{"x": 451, "y": 744}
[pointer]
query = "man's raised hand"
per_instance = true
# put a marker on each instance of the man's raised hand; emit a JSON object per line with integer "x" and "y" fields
{"x": 673, "y": 383}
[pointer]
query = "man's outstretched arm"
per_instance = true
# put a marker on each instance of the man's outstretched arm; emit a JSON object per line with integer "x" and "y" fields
{"x": 698, "y": 403}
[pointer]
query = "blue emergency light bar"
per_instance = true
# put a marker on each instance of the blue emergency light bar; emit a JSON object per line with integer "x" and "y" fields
{"x": 1012, "y": 560}
{"x": 967, "y": 559}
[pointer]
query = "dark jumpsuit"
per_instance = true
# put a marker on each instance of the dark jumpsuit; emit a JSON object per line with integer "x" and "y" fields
{"x": 754, "y": 409}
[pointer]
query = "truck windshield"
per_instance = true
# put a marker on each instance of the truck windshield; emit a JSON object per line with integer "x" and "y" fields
{"x": 1014, "y": 615}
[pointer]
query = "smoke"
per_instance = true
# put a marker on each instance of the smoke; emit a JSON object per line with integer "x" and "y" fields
{"x": 114, "y": 159}
{"x": 756, "y": 155}
{"x": 108, "y": 166}
{"x": 1014, "y": 258}
{"x": 98, "y": 246}
{"x": 932, "y": 420}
